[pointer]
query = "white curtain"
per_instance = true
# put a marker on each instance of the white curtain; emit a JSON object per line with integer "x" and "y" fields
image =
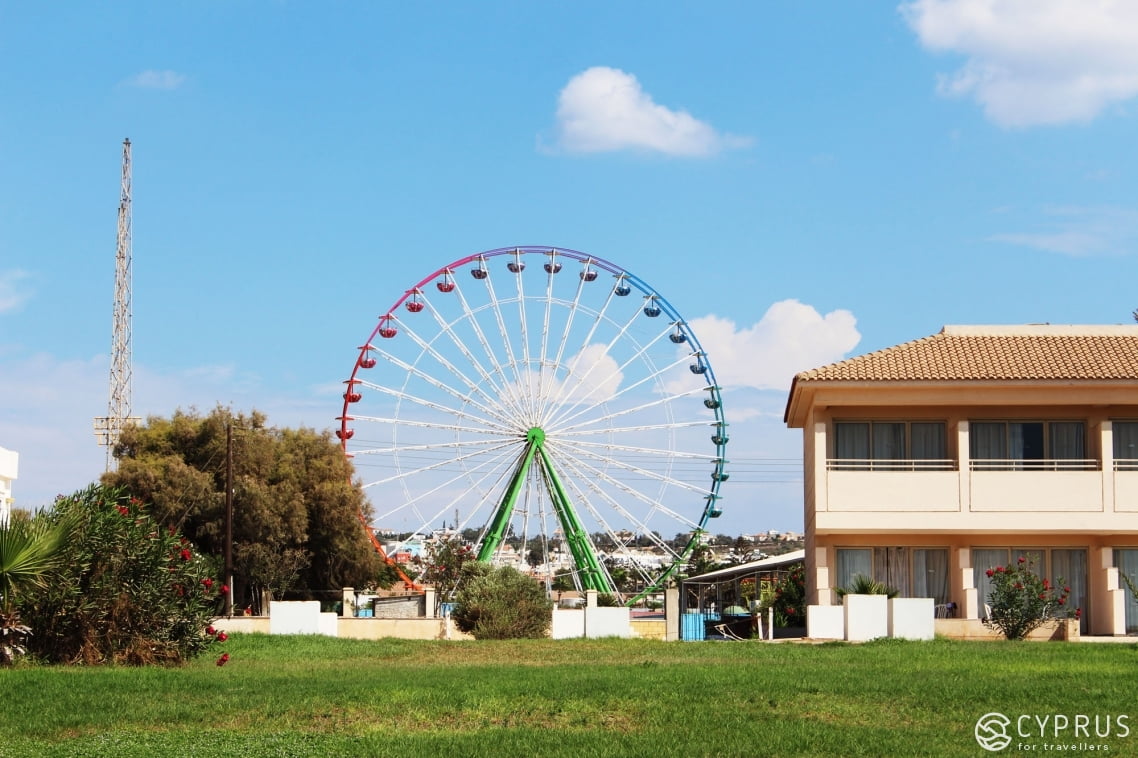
{"x": 988, "y": 440}
{"x": 984, "y": 558}
{"x": 888, "y": 441}
{"x": 1068, "y": 440}
{"x": 891, "y": 566}
{"x": 851, "y": 562}
{"x": 927, "y": 440}
{"x": 1126, "y": 561}
{"x": 930, "y": 574}
{"x": 851, "y": 441}
{"x": 1070, "y": 567}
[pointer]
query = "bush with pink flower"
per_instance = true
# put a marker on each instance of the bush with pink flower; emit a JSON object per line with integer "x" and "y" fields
{"x": 1022, "y": 601}
{"x": 126, "y": 590}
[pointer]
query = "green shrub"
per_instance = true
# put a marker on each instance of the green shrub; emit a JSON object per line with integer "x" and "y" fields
{"x": 501, "y": 603}
{"x": 864, "y": 585}
{"x": 1020, "y": 601}
{"x": 125, "y": 590}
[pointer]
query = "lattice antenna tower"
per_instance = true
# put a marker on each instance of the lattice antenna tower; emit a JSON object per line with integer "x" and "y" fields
{"x": 108, "y": 428}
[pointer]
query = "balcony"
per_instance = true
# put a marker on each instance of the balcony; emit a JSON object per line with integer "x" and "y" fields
{"x": 903, "y": 485}
{"x": 1040, "y": 485}
{"x": 1126, "y": 485}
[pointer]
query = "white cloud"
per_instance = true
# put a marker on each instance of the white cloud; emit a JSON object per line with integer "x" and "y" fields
{"x": 790, "y": 337}
{"x": 1081, "y": 232}
{"x": 11, "y": 296}
{"x": 594, "y": 377}
{"x": 152, "y": 79}
{"x": 604, "y": 109}
{"x": 1033, "y": 62}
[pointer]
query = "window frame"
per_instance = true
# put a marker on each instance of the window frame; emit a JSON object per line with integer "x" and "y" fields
{"x": 1124, "y": 463}
{"x": 886, "y": 560}
{"x": 872, "y": 444}
{"x": 1009, "y": 460}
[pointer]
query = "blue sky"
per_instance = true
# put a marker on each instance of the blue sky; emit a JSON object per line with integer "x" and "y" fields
{"x": 802, "y": 182}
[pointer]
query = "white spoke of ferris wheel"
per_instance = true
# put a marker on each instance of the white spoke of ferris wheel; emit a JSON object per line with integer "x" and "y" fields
{"x": 579, "y": 432}
{"x": 599, "y": 317}
{"x": 579, "y": 460}
{"x": 616, "y": 414}
{"x": 579, "y": 496}
{"x": 403, "y": 475}
{"x": 445, "y": 327}
{"x": 523, "y": 325}
{"x": 641, "y": 527}
{"x": 653, "y": 375}
{"x": 413, "y": 371}
{"x": 428, "y": 446}
{"x": 396, "y": 421}
{"x": 421, "y": 401}
{"x": 544, "y": 354}
{"x": 509, "y": 394}
{"x": 583, "y": 497}
{"x": 550, "y": 416}
{"x": 495, "y": 305}
{"x": 491, "y": 468}
{"x": 646, "y": 451}
{"x": 454, "y": 370}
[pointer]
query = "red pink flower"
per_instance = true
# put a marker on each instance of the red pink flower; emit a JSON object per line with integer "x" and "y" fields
{"x": 224, "y": 659}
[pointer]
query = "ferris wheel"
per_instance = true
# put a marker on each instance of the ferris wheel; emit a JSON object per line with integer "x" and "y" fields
{"x": 549, "y": 400}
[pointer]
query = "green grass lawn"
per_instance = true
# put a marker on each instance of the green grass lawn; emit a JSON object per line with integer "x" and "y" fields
{"x": 313, "y": 696}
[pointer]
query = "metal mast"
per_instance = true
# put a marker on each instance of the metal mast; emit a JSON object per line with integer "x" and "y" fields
{"x": 109, "y": 427}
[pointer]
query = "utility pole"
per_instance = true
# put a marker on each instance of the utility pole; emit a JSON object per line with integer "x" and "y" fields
{"x": 109, "y": 427}
{"x": 229, "y": 519}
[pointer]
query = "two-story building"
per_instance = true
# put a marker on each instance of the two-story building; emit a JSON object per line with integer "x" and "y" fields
{"x": 928, "y": 463}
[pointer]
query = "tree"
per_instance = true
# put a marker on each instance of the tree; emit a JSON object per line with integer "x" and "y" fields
{"x": 701, "y": 561}
{"x": 501, "y": 603}
{"x": 790, "y": 597}
{"x": 445, "y": 561}
{"x": 29, "y": 550}
{"x": 296, "y": 511}
{"x": 124, "y": 589}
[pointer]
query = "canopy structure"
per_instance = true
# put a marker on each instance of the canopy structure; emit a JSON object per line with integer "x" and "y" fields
{"x": 723, "y": 589}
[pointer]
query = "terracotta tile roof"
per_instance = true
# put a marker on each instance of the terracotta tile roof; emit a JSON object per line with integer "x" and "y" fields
{"x": 1010, "y": 353}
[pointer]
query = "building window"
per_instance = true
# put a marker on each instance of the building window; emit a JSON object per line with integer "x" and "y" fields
{"x": 1007, "y": 445}
{"x": 1125, "y": 445}
{"x": 889, "y": 445}
{"x": 1068, "y": 565}
{"x": 913, "y": 572}
{"x": 1126, "y": 561}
